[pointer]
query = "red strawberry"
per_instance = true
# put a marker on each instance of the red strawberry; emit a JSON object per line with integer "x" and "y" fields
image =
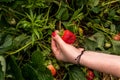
{"x": 52, "y": 69}
{"x": 117, "y": 37}
{"x": 90, "y": 75}
{"x": 68, "y": 37}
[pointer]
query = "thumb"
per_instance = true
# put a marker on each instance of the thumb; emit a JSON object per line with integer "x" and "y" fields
{"x": 56, "y": 37}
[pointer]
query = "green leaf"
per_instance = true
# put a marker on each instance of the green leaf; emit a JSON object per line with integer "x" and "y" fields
{"x": 33, "y": 38}
{"x": 118, "y": 28}
{"x": 96, "y": 9}
{"x": 80, "y": 3}
{"x": 14, "y": 68}
{"x": 99, "y": 38}
{"x": 115, "y": 47}
{"x": 79, "y": 17}
{"x": 1, "y": 73}
{"x": 6, "y": 0}
{"x": 46, "y": 52}
{"x": 65, "y": 15}
{"x": 62, "y": 13}
{"x": 76, "y": 13}
{"x": 2, "y": 67}
{"x": 93, "y": 3}
{"x": 20, "y": 40}
{"x": 38, "y": 60}
{"x": 113, "y": 28}
{"x": 75, "y": 73}
{"x": 90, "y": 44}
{"x": 70, "y": 26}
{"x": 31, "y": 73}
{"x": 7, "y": 44}
{"x": 3, "y": 64}
{"x": 46, "y": 75}
{"x": 36, "y": 33}
{"x": 112, "y": 12}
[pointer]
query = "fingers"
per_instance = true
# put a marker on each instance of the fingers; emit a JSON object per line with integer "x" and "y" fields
{"x": 57, "y": 38}
{"x": 56, "y": 50}
{"x": 54, "y": 47}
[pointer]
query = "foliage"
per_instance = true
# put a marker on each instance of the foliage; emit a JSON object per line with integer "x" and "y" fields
{"x": 74, "y": 72}
{"x": 25, "y": 35}
{"x": 6, "y": 0}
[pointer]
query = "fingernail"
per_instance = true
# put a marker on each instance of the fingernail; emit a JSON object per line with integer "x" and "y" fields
{"x": 53, "y": 34}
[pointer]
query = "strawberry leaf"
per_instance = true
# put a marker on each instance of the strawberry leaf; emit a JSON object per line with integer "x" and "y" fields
{"x": 31, "y": 73}
{"x": 6, "y": 0}
{"x": 90, "y": 44}
{"x": 7, "y": 45}
{"x": 14, "y": 68}
{"x": 75, "y": 73}
{"x": 116, "y": 47}
{"x": 95, "y": 42}
{"x": 1, "y": 73}
{"x": 38, "y": 60}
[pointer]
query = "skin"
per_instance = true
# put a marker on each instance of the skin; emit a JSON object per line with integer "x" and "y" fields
{"x": 95, "y": 60}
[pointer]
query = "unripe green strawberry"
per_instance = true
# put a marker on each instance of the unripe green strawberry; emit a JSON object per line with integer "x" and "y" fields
{"x": 12, "y": 21}
{"x": 107, "y": 45}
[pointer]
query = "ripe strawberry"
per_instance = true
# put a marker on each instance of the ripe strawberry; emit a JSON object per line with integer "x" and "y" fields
{"x": 68, "y": 37}
{"x": 117, "y": 37}
{"x": 52, "y": 69}
{"x": 90, "y": 75}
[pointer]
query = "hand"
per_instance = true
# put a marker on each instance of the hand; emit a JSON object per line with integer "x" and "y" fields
{"x": 63, "y": 51}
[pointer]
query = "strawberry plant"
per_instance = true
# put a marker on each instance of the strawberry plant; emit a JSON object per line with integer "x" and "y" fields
{"x": 25, "y": 36}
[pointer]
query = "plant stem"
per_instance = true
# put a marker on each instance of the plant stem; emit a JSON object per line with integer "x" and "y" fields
{"x": 60, "y": 25}
{"x": 11, "y": 53}
{"x": 7, "y": 9}
{"x": 111, "y": 2}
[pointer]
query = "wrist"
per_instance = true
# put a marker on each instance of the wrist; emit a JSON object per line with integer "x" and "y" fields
{"x": 78, "y": 58}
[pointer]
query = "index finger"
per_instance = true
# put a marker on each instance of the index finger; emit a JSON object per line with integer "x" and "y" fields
{"x": 54, "y": 47}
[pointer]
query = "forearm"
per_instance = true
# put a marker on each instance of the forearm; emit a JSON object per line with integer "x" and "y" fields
{"x": 101, "y": 62}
